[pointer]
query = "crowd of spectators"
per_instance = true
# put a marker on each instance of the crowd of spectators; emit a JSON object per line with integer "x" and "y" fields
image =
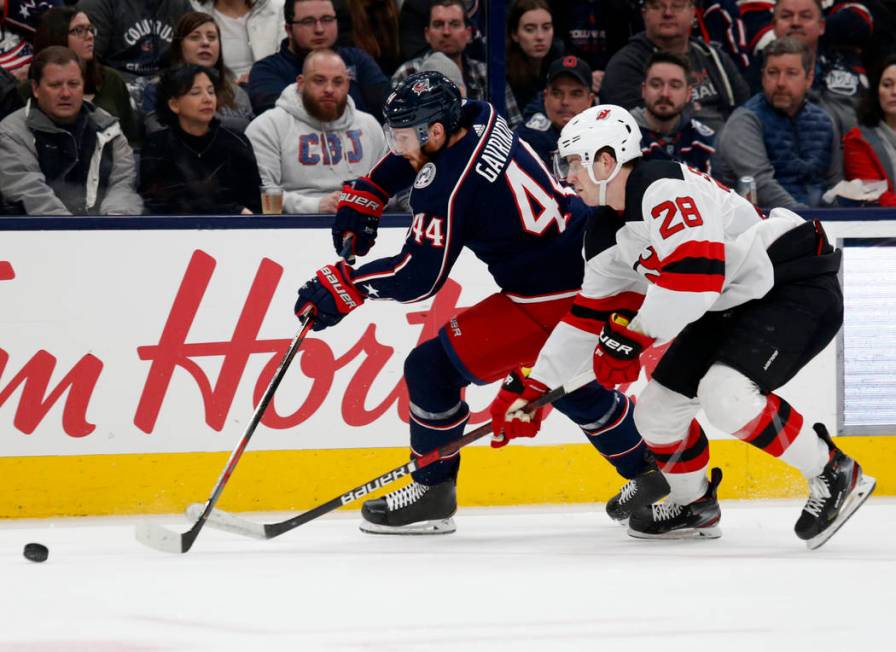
{"x": 118, "y": 107}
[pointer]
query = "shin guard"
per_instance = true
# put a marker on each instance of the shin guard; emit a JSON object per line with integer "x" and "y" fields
{"x": 437, "y": 412}
{"x": 429, "y": 431}
{"x": 607, "y": 418}
{"x": 684, "y": 463}
{"x": 779, "y": 431}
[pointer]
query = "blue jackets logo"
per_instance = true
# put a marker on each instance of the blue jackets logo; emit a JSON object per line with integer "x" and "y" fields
{"x": 425, "y": 176}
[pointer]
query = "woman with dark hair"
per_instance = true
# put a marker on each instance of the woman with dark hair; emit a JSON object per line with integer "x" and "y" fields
{"x": 196, "y": 166}
{"x": 197, "y": 40}
{"x": 530, "y": 48}
{"x": 103, "y": 86}
{"x": 371, "y": 25}
{"x": 869, "y": 150}
{"x": 250, "y": 30}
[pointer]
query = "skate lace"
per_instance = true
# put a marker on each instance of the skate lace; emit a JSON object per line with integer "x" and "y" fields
{"x": 665, "y": 511}
{"x": 819, "y": 492}
{"x": 405, "y": 496}
{"x": 628, "y": 491}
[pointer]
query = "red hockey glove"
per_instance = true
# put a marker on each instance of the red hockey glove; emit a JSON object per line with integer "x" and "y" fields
{"x": 508, "y": 419}
{"x": 358, "y": 212}
{"x": 332, "y": 295}
{"x": 617, "y": 356}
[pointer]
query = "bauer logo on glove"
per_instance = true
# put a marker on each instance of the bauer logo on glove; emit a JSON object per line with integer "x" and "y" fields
{"x": 617, "y": 357}
{"x": 331, "y": 295}
{"x": 361, "y": 201}
{"x": 337, "y": 289}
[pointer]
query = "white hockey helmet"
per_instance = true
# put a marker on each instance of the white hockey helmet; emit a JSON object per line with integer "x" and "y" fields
{"x": 604, "y": 125}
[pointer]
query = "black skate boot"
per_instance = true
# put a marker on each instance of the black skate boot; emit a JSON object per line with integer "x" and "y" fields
{"x": 668, "y": 520}
{"x": 833, "y": 496}
{"x": 414, "y": 509}
{"x": 642, "y": 490}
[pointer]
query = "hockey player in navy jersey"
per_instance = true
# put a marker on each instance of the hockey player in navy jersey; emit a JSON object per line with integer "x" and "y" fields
{"x": 746, "y": 301}
{"x": 476, "y": 185}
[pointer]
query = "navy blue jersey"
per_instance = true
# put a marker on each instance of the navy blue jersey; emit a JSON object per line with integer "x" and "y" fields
{"x": 491, "y": 193}
{"x": 692, "y": 143}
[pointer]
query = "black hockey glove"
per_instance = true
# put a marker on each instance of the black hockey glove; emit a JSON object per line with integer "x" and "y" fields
{"x": 331, "y": 295}
{"x": 361, "y": 204}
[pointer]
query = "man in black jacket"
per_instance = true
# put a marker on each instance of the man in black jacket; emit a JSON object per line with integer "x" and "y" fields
{"x": 718, "y": 86}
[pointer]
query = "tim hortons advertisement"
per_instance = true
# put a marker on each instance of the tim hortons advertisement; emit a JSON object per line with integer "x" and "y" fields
{"x": 164, "y": 341}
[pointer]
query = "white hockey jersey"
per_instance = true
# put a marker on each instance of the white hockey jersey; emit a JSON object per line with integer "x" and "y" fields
{"x": 688, "y": 245}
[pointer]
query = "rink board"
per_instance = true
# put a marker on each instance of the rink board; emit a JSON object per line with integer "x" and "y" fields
{"x": 131, "y": 359}
{"x": 297, "y": 480}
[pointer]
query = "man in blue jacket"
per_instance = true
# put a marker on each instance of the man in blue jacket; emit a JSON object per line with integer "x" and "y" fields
{"x": 311, "y": 25}
{"x": 781, "y": 140}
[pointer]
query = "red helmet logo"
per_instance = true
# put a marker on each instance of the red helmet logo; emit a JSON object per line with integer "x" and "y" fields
{"x": 603, "y": 114}
{"x": 420, "y": 87}
{"x": 570, "y": 62}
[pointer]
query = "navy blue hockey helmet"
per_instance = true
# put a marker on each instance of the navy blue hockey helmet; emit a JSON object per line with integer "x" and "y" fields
{"x": 421, "y": 100}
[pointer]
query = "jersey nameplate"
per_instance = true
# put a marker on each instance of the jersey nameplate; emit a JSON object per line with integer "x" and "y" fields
{"x": 497, "y": 149}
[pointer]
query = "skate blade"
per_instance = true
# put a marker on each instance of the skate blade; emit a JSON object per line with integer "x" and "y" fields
{"x": 438, "y": 526}
{"x": 710, "y": 532}
{"x": 859, "y": 494}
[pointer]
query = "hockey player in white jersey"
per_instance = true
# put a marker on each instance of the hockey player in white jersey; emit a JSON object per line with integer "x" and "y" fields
{"x": 747, "y": 302}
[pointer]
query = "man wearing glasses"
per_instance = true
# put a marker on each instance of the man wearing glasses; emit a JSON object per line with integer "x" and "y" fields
{"x": 311, "y": 25}
{"x": 718, "y": 86}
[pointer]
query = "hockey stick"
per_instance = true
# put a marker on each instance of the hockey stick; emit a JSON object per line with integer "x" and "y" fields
{"x": 238, "y": 525}
{"x": 160, "y": 538}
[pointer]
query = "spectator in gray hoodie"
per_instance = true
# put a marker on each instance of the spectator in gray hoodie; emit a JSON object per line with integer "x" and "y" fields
{"x": 315, "y": 138}
{"x": 64, "y": 156}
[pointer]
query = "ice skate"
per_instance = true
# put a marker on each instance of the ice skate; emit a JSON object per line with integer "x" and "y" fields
{"x": 641, "y": 491}
{"x": 669, "y": 520}
{"x": 834, "y": 495}
{"x": 414, "y": 509}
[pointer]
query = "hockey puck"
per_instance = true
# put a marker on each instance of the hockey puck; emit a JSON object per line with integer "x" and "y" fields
{"x": 36, "y": 552}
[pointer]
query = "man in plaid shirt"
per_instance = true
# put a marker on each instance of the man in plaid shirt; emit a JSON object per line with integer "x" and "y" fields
{"x": 449, "y": 32}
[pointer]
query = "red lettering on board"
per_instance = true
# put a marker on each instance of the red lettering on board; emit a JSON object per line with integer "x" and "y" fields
{"x": 316, "y": 359}
{"x": 34, "y": 378}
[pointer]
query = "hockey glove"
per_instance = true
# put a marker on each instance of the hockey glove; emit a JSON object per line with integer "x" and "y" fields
{"x": 358, "y": 212}
{"x": 509, "y": 421}
{"x": 331, "y": 295}
{"x": 617, "y": 356}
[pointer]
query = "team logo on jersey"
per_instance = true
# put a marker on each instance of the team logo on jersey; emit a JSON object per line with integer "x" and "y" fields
{"x": 425, "y": 176}
{"x": 479, "y": 129}
{"x": 650, "y": 264}
{"x": 421, "y": 87}
{"x": 842, "y": 82}
{"x": 539, "y": 122}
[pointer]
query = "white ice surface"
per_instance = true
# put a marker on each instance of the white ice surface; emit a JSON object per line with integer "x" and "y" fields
{"x": 546, "y": 580}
